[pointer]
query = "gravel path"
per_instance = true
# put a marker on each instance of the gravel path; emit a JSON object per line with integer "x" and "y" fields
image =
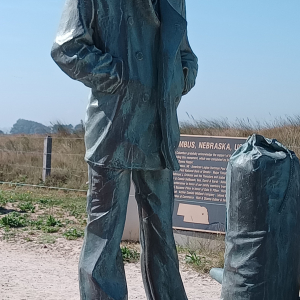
{"x": 49, "y": 272}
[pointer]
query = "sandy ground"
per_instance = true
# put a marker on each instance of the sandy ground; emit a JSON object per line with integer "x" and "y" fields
{"x": 49, "y": 272}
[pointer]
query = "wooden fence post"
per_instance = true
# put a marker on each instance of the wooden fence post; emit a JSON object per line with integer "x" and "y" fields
{"x": 47, "y": 157}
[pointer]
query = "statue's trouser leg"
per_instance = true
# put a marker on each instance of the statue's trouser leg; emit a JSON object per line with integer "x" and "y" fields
{"x": 160, "y": 267}
{"x": 101, "y": 270}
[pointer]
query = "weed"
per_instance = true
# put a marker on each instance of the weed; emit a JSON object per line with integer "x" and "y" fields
{"x": 36, "y": 224}
{"x": 180, "y": 249}
{"x": 3, "y": 199}
{"x": 200, "y": 263}
{"x": 73, "y": 233}
{"x": 51, "y": 225}
{"x": 192, "y": 258}
{"x": 13, "y": 219}
{"x": 129, "y": 255}
{"x": 27, "y": 206}
{"x": 51, "y": 221}
{"x": 48, "y": 225}
{"x": 220, "y": 261}
{"x": 50, "y": 229}
{"x": 45, "y": 201}
{"x": 23, "y": 196}
{"x": 75, "y": 211}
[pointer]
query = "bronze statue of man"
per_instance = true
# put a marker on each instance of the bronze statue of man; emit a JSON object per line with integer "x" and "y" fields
{"x": 135, "y": 57}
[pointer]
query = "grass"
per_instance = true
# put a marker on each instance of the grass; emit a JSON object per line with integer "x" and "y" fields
{"x": 203, "y": 261}
{"x": 9, "y": 234}
{"x": 73, "y": 233}
{"x": 51, "y": 222}
{"x": 130, "y": 254}
{"x": 14, "y": 220}
{"x": 44, "y": 215}
{"x": 21, "y": 160}
{"x": 205, "y": 253}
{"x": 45, "y": 239}
{"x": 196, "y": 260}
{"x": 199, "y": 262}
{"x": 27, "y": 207}
{"x": 21, "y": 157}
{"x": 285, "y": 130}
{"x": 34, "y": 213}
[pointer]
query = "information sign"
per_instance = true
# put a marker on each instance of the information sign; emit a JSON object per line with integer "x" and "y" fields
{"x": 200, "y": 185}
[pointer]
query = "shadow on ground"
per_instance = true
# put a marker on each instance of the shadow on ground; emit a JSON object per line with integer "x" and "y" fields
{"x": 4, "y": 211}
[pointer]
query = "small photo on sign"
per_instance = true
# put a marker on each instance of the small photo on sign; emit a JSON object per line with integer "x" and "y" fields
{"x": 193, "y": 214}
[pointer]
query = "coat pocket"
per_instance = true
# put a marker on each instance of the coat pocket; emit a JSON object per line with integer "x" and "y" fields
{"x": 108, "y": 78}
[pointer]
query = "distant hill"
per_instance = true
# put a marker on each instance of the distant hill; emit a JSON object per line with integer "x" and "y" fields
{"x": 5, "y": 130}
{"x": 1, "y": 132}
{"x": 29, "y": 127}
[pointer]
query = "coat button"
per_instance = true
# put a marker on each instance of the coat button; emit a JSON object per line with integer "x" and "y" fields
{"x": 130, "y": 21}
{"x": 139, "y": 55}
{"x": 146, "y": 97}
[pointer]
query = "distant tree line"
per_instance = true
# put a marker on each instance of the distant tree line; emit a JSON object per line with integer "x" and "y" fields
{"x": 30, "y": 127}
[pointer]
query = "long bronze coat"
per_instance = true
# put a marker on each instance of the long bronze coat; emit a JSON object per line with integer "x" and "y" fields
{"x": 137, "y": 61}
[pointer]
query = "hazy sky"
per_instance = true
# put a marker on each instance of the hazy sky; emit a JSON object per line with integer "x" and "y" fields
{"x": 248, "y": 50}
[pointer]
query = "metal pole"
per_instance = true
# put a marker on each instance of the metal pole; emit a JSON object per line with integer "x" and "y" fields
{"x": 47, "y": 157}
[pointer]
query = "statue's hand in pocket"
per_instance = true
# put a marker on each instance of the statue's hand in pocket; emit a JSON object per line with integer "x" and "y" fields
{"x": 189, "y": 80}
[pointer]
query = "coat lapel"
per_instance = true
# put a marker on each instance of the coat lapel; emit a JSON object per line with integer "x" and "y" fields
{"x": 173, "y": 27}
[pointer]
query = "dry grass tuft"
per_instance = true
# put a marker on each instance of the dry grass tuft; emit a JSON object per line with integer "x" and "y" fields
{"x": 21, "y": 156}
{"x": 21, "y": 160}
{"x": 286, "y": 131}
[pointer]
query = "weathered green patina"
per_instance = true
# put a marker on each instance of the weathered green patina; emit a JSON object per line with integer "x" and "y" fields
{"x": 135, "y": 57}
{"x": 262, "y": 255}
{"x": 138, "y": 63}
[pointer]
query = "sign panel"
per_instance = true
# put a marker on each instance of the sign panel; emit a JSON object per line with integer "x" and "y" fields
{"x": 200, "y": 185}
